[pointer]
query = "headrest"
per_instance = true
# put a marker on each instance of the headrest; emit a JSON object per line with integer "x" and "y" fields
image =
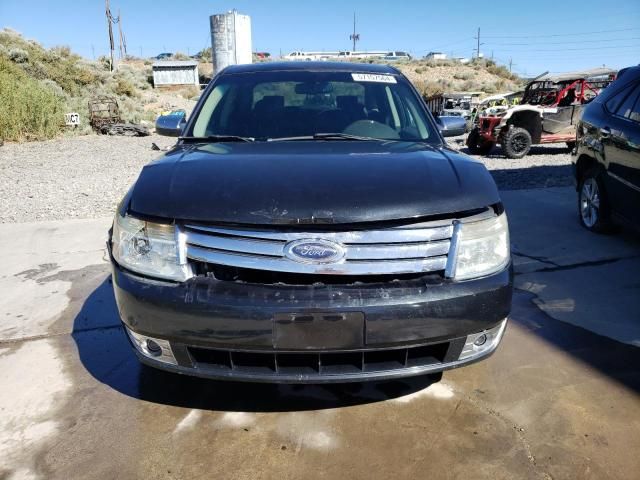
{"x": 346, "y": 102}
{"x": 270, "y": 102}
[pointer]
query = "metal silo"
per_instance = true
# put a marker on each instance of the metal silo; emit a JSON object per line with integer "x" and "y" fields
{"x": 230, "y": 39}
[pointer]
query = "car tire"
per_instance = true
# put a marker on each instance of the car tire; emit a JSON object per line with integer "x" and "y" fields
{"x": 516, "y": 143}
{"x": 593, "y": 206}
{"x": 476, "y": 144}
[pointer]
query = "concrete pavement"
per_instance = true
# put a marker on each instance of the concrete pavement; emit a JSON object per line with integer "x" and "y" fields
{"x": 588, "y": 280}
{"x": 559, "y": 399}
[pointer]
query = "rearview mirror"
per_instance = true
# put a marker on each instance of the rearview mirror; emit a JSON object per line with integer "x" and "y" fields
{"x": 313, "y": 88}
{"x": 171, "y": 125}
{"x": 451, "y": 126}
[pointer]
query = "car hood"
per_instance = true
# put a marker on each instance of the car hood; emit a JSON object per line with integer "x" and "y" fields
{"x": 296, "y": 182}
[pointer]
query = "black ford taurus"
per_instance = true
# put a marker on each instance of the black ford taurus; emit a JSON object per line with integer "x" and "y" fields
{"x": 311, "y": 225}
{"x": 606, "y": 159}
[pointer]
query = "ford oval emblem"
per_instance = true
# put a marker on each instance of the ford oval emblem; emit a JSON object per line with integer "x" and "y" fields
{"x": 314, "y": 251}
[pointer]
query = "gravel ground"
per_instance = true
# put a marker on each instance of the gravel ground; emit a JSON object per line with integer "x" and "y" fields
{"x": 70, "y": 177}
{"x": 545, "y": 166}
{"x": 85, "y": 177}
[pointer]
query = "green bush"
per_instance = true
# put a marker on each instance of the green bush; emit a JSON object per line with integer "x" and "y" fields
{"x": 31, "y": 111}
{"x": 125, "y": 87}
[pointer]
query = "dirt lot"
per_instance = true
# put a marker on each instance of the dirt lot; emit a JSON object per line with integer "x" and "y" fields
{"x": 86, "y": 176}
{"x": 560, "y": 399}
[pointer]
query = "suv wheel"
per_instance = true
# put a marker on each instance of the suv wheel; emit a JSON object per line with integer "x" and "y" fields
{"x": 516, "y": 142}
{"x": 477, "y": 145}
{"x": 593, "y": 208}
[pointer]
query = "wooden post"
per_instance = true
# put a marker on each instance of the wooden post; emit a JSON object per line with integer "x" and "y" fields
{"x": 111, "y": 44}
{"x": 122, "y": 49}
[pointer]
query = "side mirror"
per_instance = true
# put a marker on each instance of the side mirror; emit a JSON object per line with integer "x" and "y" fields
{"x": 451, "y": 126}
{"x": 171, "y": 125}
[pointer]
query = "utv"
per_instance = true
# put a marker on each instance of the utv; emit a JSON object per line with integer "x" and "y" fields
{"x": 548, "y": 112}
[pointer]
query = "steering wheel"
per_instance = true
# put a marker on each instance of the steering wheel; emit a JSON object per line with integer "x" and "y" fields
{"x": 371, "y": 128}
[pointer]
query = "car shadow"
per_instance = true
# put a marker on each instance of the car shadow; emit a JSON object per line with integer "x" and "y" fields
{"x": 536, "y": 150}
{"x": 618, "y": 361}
{"x": 106, "y": 354}
{"x": 539, "y": 176}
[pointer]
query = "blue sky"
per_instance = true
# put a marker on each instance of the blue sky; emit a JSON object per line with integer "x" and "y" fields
{"x": 553, "y": 35}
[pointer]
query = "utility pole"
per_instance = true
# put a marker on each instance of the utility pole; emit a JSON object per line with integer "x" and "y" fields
{"x": 478, "y": 48}
{"x": 93, "y": 51}
{"x": 120, "y": 35}
{"x": 354, "y": 36}
{"x": 111, "y": 44}
{"x": 511, "y": 64}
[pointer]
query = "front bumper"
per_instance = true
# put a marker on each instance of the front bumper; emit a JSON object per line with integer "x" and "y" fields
{"x": 276, "y": 333}
{"x": 489, "y": 128}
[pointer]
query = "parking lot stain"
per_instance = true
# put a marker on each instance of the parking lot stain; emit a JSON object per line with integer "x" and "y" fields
{"x": 38, "y": 273}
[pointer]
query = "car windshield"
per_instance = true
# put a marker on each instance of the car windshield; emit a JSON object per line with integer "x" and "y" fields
{"x": 301, "y": 105}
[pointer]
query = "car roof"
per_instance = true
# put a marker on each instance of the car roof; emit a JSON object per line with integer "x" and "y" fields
{"x": 630, "y": 72}
{"x": 577, "y": 75}
{"x": 311, "y": 66}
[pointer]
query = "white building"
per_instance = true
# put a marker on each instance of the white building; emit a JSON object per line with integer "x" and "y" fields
{"x": 175, "y": 72}
{"x": 436, "y": 56}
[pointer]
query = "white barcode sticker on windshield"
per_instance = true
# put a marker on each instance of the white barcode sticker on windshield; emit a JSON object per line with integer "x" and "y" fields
{"x": 372, "y": 77}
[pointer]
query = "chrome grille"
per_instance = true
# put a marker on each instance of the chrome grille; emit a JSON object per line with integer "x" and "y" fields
{"x": 398, "y": 250}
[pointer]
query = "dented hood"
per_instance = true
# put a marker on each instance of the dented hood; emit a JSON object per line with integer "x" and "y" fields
{"x": 310, "y": 182}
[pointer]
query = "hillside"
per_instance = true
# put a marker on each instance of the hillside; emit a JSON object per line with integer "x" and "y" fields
{"x": 449, "y": 76}
{"x": 38, "y": 85}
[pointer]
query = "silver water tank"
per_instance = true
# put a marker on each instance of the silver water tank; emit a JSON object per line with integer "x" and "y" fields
{"x": 230, "y": 40}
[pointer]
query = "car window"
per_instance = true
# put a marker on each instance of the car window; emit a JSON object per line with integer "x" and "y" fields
{"x": 293, "y": 99}
{"x": 283, "y": 104}
{"x": 634, "y": 113}
{"x": 630, "y": 106}
{"x": 616, "y": 101}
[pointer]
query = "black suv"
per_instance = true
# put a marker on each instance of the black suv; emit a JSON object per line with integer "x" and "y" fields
{"x": 311, "y": 225}
{"x": 607, "y": 155}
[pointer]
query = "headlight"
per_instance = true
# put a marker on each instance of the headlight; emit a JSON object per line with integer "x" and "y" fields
{"x": 479, "y": 248}
{"x": 148, "y": 248}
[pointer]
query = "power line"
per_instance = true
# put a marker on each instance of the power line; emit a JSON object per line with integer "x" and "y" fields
{"x": 564, "y": 34}
{"x": 569, "y": 42}
{"x": 569, "y": 49}
{"x": 445, "y": 46}
{"x": 596, "y": 57}
{"x": 576, "y": 17}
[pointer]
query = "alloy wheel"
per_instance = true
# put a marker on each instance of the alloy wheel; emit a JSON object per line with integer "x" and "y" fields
{"x": 519, "y": 143}
{"x": 590, "y": 202}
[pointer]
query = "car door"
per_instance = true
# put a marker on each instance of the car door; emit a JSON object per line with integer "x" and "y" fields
{"x": 620, "y": 137}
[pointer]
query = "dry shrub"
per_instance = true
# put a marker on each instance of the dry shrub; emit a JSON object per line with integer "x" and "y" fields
{"x": 189, "y": 92}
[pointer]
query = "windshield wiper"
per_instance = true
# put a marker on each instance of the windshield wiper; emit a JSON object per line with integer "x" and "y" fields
{"x": 323, "y": 136}
{"x": 218, "y": 138}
